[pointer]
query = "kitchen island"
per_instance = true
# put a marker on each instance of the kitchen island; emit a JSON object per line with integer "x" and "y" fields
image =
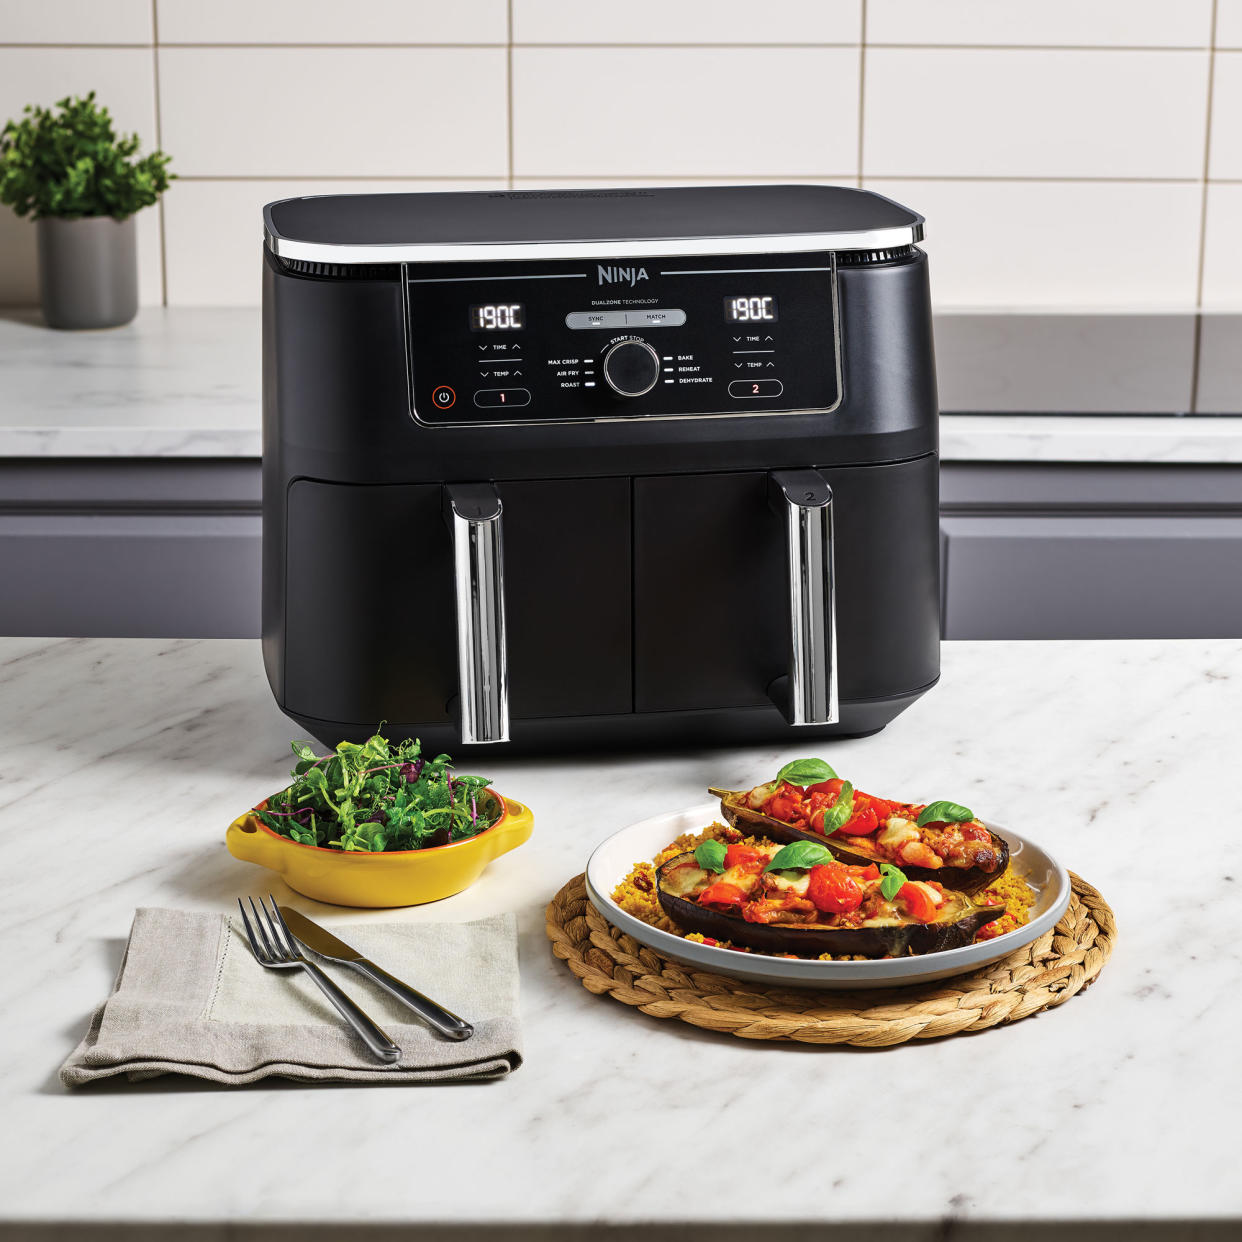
{"x": 1112, "y": 1116}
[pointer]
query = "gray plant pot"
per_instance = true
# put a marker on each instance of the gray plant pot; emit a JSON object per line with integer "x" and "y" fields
{"x": 88, "y": 271}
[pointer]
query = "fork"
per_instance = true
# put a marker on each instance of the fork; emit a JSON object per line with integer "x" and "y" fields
{"x": 276, "y": 949}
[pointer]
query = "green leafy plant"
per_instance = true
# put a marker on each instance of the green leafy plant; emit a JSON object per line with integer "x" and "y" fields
{"x": 71, "y": 163}
{"x": 377, "y": 796}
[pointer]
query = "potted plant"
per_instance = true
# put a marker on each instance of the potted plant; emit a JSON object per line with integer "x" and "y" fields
{"x": 82, "y": 184}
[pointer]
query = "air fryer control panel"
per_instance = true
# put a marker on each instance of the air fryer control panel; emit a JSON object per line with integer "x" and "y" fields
{"x": 538, "y": 342}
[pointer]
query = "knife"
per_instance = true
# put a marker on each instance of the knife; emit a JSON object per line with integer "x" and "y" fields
{"x": 327, "y": 945}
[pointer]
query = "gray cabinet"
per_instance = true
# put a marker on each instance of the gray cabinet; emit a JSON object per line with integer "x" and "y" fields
{"x": 167, "y": 548}
{"x": 1068, "y": 551}
{"x": 131, "y": 549}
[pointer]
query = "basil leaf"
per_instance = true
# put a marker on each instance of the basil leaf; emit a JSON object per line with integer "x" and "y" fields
{"x": 891, "y": 880}
{"x": 840, "y": 811}
{"x": 710, "y": 856}
{"x": 944, "y": 813}
{"x": 806, "y": 772}
{"x": 800, "y": 856}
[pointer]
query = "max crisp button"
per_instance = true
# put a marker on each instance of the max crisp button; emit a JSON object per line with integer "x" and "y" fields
{"x": 494, "y": 398}
{"x": 756, "y": 388}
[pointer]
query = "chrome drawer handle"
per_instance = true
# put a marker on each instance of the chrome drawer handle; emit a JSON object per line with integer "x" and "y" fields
{"x": 804, "y": 501}
{"x": 473, "y": 511}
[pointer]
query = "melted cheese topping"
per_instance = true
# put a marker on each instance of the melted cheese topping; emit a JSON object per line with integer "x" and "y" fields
{"x": 790, "y": 881}
{"x": 897, "y": 831}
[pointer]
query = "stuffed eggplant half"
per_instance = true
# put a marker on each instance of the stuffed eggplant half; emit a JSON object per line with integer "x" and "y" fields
{"x": 940, "y": 841}
{"x": 799, "y": 899}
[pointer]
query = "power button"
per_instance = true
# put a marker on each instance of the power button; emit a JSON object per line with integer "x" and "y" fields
{"x": 443, "y": 397}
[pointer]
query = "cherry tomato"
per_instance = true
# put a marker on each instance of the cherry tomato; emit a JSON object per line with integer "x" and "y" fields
{"x": 784, "y": 808}
{"x": 739, "y": 855}
{"x": 883, "y": 809}
{"x": 721, "y": 894}
{"x": 833, "y": 889}
{"x": 831, "y": 788}
{"x": 918, "y": 903}
{"x": 861, "y": 823}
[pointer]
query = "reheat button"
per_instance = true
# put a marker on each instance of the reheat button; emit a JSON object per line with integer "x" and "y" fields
{"x": 756, "y": 388}
{"x": 500, "y": 398}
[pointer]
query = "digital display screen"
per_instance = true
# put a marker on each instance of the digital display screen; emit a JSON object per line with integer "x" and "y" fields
{"x": 498, "y": 317}
{"x": 754, "y": 309}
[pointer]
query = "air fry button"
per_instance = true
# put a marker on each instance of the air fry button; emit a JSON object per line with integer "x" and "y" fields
{"x": 443, "y": 397}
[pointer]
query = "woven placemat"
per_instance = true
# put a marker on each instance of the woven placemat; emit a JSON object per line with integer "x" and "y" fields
{"x": 1040, "y": 976}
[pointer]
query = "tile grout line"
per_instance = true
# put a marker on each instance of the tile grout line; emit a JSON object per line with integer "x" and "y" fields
{"x": 862, "y": 85}
{"x": 159, "y": 143}
{"x": 720, "y": 177}
{"x": 908, "y": 47}
{"x": 509, "y": 88}
{"x": 1203, "y": 208}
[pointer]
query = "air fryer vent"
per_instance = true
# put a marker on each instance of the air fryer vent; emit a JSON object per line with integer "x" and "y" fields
{"x": 340, "y": 271}
{"x": 860, "y": 258}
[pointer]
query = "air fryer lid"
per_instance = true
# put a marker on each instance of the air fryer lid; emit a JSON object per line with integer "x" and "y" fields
{"x": 378, "y": 228}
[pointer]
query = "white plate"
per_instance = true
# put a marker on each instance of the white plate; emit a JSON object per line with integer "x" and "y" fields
{"x": 613, "y": 860}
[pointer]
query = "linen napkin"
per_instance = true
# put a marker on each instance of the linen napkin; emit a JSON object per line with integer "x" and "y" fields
{"x": 191, "y": 999}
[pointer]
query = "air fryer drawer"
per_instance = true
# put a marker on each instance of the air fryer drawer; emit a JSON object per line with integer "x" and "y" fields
{"x": 369, "y": 626}
{"x": 711, "y": 591}
{"x": 370, "y": 614}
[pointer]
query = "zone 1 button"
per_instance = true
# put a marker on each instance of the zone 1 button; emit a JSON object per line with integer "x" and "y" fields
{"x": 495, "y": 398}
{"x": 756, "y": 388}
{"x": 443, "y": 397}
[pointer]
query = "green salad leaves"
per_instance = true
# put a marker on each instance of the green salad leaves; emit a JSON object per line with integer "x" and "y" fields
{"x": 379, "y": 796}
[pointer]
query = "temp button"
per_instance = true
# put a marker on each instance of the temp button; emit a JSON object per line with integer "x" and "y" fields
{"x": 756, "y": 388}
{"x": 495, "y": 398}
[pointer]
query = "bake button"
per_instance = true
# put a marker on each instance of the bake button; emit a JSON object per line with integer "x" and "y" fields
{"x": 443, "y": 397}
{"x": 494, "y": 398}
{"x": 756, "y": 388}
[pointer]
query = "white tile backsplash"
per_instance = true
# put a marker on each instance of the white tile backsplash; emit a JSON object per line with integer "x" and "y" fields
{"x": 124, "y": 79}
{"x": 75, "y": 21}
{"x": 1226, "y": 154}
{"x": 360, "y": 112}
{"x": 688, "y": 21}
{"x": 1049, "y": 144}
{"x": 331, "y": 22}
{"x": 1222, "y": 257}
{"x": 1113, "y": 245}
{"x": 1229, "y": 23}
{"x": 1020, "y": 113}
{"x": 657, "y": 112}
{"x": 214, "y": 231}
{"x": 1049, "y": 23}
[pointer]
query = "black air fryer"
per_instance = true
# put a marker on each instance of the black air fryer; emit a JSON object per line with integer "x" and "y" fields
{"x": 559, "y": 469}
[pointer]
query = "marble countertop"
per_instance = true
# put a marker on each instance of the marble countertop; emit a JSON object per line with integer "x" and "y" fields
{"x": 122, "y": 761}
{"x": 185, "y": 382}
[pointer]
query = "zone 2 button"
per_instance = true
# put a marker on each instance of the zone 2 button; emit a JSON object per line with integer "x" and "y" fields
{"x": 443, "y": 397}
{"x": 756, "y": 388}
{"x": 497, "y": 398}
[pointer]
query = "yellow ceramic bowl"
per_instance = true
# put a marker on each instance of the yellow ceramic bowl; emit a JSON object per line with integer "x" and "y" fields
{"x": 392, "y": 878}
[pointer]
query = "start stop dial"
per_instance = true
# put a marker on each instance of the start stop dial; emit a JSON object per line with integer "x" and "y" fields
{"x": 631, "y": 368}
